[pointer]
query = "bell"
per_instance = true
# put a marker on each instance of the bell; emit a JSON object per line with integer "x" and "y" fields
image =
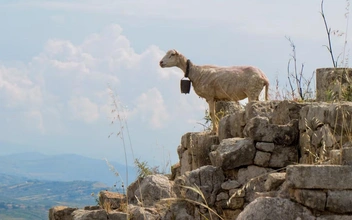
{"x": 185, "y": 85}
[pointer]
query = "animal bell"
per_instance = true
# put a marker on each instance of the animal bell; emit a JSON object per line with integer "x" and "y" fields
{"x": 185, "y": 85}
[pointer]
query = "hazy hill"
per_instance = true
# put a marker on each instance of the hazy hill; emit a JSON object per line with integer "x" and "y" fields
{"x": 27, "y": 199}
{"x": 66, "y": 167}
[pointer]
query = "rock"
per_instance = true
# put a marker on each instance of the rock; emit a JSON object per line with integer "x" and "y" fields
{"x": 81, "y": 214}
{"x": 259, "y": 129}
{"x": 230, "y": 214}
{"x": 264, "y": 109}
{"x": 179, "y": 210}
{"x": 92, "y": 207}
{"x": 263, "y": 146}
{"x": 194, "y": 150}
{"x": 131, "y": 189}
{"x": 175, "y": 171}
{"x": 235, "y": 203}
{"x": 222, "y": 196}
{"x": 112, "y": 199}
{"x": 115, "y": 215}
{"x": 61, "y": 212}
{"x": 334, "y": 217}
{"x": 274, "y": 180}
{"x": 319, "y": 177}
{"x": 245, "y": 174}
{"x": 207, "y": 178}
{"x": 227, "y": 107}
{"x": 285, "y": 111}
{"x": 232, "y": 125}
{"x": 346, "y": 156}
{"x": 233, "y": 153}
{"x": 335, "y": 157}
{"x": 339, "y": 201}
{"x": 315, "y": 199}
{"x": 274, "y": 209}
{"x": 283, "y": 156}
{"x": 153, "y": 188}
{"x": 238, "y": 193}
{"x": 262, "y": 158}
{"x": 230, "y": 184}
{"x": 141, "y": 213}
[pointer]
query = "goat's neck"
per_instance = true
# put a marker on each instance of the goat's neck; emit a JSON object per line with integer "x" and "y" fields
{"x": 182, "y": 64}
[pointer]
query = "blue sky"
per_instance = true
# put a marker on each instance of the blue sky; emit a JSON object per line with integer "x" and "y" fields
{"x": 59, "y": 58}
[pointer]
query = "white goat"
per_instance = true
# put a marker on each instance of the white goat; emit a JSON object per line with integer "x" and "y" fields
{"x": 216, "y": 83}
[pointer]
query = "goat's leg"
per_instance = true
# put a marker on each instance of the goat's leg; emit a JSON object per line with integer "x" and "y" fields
{"x": 212, "y": 115}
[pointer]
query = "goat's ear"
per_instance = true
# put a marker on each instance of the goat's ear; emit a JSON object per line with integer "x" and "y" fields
{"x": 176, "y": 52}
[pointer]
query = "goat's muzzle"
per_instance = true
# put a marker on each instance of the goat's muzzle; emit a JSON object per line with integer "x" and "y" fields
{"x": 161, "y": 64}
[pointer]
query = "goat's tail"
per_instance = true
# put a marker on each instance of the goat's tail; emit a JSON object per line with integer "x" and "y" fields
{"x": 266, "y": 91}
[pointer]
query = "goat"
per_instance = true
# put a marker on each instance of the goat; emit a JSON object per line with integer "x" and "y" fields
{"x": 215, "y": 83}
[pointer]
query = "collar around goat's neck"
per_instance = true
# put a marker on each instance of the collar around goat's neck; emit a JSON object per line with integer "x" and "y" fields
{"x": 187, "y": 68}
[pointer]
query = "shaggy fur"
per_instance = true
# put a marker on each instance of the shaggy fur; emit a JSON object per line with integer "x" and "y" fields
{"x": 215, "y": 83}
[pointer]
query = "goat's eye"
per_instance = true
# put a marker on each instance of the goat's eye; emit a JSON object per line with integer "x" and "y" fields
{"x": 172, "y": 55}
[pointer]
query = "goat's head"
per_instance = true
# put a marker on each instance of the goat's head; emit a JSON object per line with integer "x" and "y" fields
{"x": 170, "y": 59}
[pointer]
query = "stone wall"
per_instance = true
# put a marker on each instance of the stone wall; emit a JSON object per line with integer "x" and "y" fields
{"x": 260, "y": 164}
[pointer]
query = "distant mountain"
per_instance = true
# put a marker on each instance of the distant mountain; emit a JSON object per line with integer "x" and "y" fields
{"x": 65, "y": 167}
{"x": 30, "y": 199}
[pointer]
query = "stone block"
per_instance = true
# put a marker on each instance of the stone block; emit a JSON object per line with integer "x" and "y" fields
{"x": 262, "y": 159}
{"x": 259, "y": 129}
{"x": 233, "y": 153}
{"x": 274, "y": 180}
{"x": 230, "y": 184}
{"x": 319, "y": 177}
{"x": 339, "y": 201}
{"x": 283, "y": 156}
{"x": 346, "y": 156}
{"x": 335, "y": 157}
{"x": 315, "y": 199}
{"x": 264, "y": 146}
{"x": 232, "y": 125}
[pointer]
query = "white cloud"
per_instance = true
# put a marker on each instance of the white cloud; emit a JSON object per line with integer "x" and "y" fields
{"x": 84, "y": 109}
{"x": 151, "y": 108}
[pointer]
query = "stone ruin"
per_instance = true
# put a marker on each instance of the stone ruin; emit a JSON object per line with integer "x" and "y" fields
{"x": 271, "y": 160}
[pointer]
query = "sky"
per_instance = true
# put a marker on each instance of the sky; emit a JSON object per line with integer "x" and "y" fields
{"x": 68, "y": 68}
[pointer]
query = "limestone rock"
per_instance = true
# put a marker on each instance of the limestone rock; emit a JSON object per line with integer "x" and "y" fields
{"x": 264, "y": 146}
{"x": 319, "y": 177}
{"x": 264, "y": 109}
{"x": 334, "y": 217}
{"x": 259, "y": 129}
{"x": 207, "y": 178}
{"x": 245, "y": 174}
{"x": 339, "y": 201}
{"x": 141, "y": 213}
{"x": 274, "y": 180}
{"x": 222, "y": 196}
{"x": 232, "y": 153}
{"x": 346, "y": 156}
{"x": 230, "y": 184}
{"x": 335, "y": 157}
{"x": 315, "y": 199}
{"x": 232, "y": 125}
{"x": 179, "y": 210}
{"x": 274, "y": 209}
{"x": 283, "y": 156}
{"x": 153, "y": 188}
{"x": 81, "y": 214}
{"x": 61, "y": 212}
{"x": 194, "y": 150}
{"x": 230, "y": 214}
{"x": 116, "y": 215}
{"x": 262, "y": 158}
{"x": 113, "y": 199}
{"x": 285, "y": 111}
